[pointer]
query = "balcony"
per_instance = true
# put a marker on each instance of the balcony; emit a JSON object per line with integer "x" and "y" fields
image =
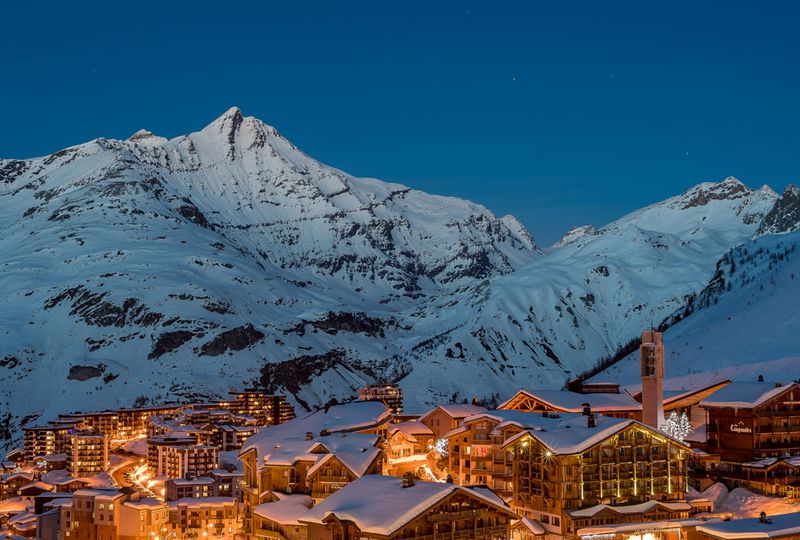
{"x": 333, "y": 479}
{"x": 498, "y": 530}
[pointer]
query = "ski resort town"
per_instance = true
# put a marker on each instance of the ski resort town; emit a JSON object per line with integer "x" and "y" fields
{"x": 595, "y": 461}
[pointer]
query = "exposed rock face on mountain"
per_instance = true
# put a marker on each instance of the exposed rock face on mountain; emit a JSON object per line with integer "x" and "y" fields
{"x": 155, "y": 269}
{"x": 185, "y": 265}
{"x": 785, "y": 215}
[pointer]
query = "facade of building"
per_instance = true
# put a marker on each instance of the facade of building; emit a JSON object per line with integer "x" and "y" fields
{"x": 407, "y": 447}
{"x": 219, "y": 483}
{"x": 749, "y": 421}
{"x": 443, "y": 418}
{"x": 279, "y": 519}
{"x": 45, "y": 440}
{"x": 389, "y": 394}
{"x": 265, "y": 408}
{"x": 92, "y": 514}
{"x": 177, "y": 456}
{"x": 209, "y": 517}
{"x": 229, "y": 437}
{"x": 87, "y": 453}
{"x": 386, "y": 507}
{"x": 589, "y": 461}
{"x": 277, "y": 459}
{"x": 143, "y": 519}
{"x": 476, "y": 451}
{"x": 132, "y": 423}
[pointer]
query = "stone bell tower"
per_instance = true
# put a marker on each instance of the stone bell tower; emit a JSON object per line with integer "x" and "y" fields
{"x": 651, "y": 359}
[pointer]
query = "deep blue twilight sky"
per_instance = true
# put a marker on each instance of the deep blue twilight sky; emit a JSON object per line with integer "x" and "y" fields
{"x": 561, "y": 113}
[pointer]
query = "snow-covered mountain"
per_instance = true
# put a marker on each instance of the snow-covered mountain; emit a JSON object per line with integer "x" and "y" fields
{"x": 161, "y": 269}
{"x": 592, "y": 294}
{"x": 745, "y": 321}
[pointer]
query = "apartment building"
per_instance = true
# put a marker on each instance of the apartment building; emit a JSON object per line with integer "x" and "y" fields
{"x": 87, "y": 453}
{"x": 208, "y": 518}
{"x": 563, "y": 474}
{"x": 178, "y": 455}
{"x": 143, "y": 519}
{"x": 45, "y": 440}
{"x": 93, "y": 514}
{"x": 132, "y": 423}
{"x": 476, "y": 452}
{"x": 265, "y": 408}
{"x": 219, "y": 483}
{"x": 754, "y": 428}
{"x": 389, "y": 394}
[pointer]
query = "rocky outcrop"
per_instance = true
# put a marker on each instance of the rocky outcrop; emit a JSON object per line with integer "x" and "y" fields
{"x": 785, "y": 215}
{"x": 234, "y": 339}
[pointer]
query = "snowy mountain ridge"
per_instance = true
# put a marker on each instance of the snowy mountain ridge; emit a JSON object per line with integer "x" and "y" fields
{"x": 157, "y": 269}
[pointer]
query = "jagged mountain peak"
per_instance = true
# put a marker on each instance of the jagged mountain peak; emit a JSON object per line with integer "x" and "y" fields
{"x": 784, "y": 217}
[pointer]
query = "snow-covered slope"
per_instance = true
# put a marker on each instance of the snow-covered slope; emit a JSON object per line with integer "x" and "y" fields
{"x": 165, "y": 269}
{"x": 595, "y": 292}
{"x": 744, "y": 324}
{"x": 162, "y": 269}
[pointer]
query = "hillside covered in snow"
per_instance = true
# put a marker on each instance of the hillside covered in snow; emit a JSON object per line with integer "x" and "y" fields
{"x": 151, "y": 269}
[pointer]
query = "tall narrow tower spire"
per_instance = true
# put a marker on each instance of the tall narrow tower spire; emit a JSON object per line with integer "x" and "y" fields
{"x": 651, "y": 359}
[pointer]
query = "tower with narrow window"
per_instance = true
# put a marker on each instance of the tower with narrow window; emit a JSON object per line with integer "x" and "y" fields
{"x": 651, "y": 359}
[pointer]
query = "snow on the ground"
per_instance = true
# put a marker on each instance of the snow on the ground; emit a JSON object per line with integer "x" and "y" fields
{"x": 744, "y": 503}
{"x": 716, "y": 493}
{"x": 136, "y": 446}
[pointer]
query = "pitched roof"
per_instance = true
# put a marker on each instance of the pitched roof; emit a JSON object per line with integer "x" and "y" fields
{"x": 287, "y": 510}
{"x": 566, "y": 401}
{"x": 348, "y": 417}
{"x": 573, "y": 435}
{"x": 356, "y": 451}
{"x": 380, "y": 505}
{"x": 456, "y": 412}
{"x": 410, "y": 429}
{"x": 744, "y": 395}
{"x": 630, "y": 508}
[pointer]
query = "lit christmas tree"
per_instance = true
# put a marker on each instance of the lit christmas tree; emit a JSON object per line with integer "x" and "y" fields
{"x": 677, "y": 427}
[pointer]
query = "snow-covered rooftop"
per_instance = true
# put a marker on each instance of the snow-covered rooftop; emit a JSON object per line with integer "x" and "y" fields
{"x": 410, "y": 429}
{"x": 200, "y": 502}
{"x": 286, "y": 511}
{"x": 744, "y": 395}
{"x": 148, "y": 502}
{"x": 775, "y": 526}
{"x": 380, "y": 505}
{"x": 457, "y": 412}
{"x": 630, "y": 508}
{"x": 619, "y": 528}
{"x": 355, "y": 416}
{"x": 567, "y": 401}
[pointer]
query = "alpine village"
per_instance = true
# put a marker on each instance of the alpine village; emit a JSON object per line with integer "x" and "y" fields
{"x": 593, "y": 461}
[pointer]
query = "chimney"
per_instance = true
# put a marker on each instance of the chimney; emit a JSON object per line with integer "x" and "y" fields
{"x": 591, "y": 421}
{"x": 587, "y": 409}
{"x": 408, "y": 480}
{"x": 309, "y": 435}
{"x": 651, "y": 361}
